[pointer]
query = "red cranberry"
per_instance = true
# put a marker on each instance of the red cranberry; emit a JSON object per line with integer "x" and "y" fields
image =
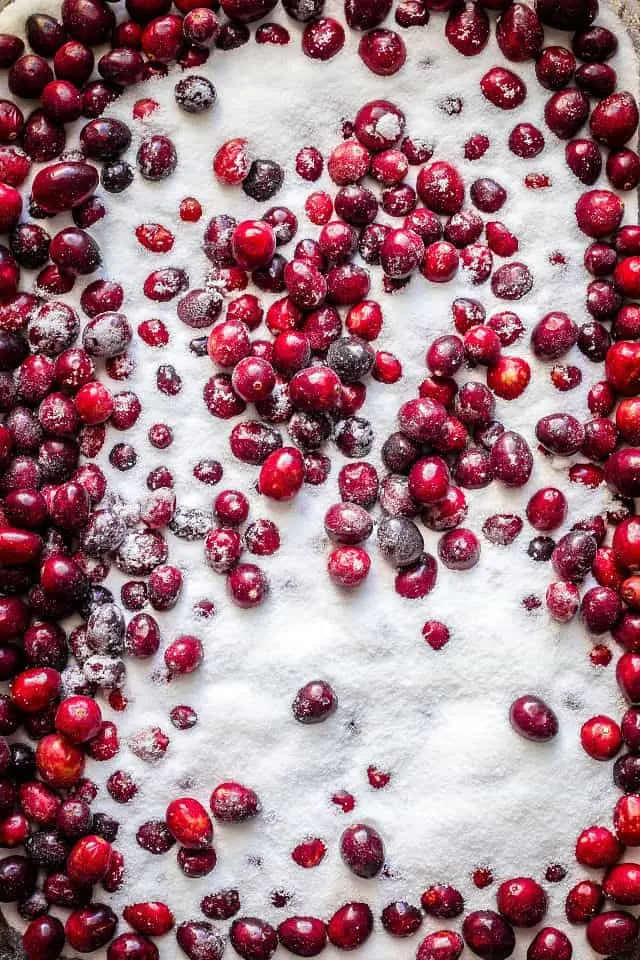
{"x": 555, "y": 67}
{"x": 323, "y": 38}
{"x": 522, "y": 901}
{"x": 550, "y": 944}
{"x": 519, "y": 33}
{"x": 614, "y": 931}
{"x": 441, "y": 945}
{"x": 303, "y": 936}
{"x": 503, "y": 88}
{"x": 362, "y": 850}
{"x": 533, "y": 719}
{"x": 467, "y": 29}
{"x": 488, "y": 935}
{"x": 350, "y": 926}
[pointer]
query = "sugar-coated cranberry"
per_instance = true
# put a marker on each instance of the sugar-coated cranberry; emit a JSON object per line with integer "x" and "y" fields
{"x": 503, "y": 88}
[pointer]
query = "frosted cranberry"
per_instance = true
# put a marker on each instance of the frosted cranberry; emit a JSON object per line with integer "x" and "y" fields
{"x": 560, "y": 433}
{"x": 309, "y": 853}
{"x": 441, "y": 945}
{"x": 323, "y": 38}
{"x": 253, "y": 939}
{"x": 231, "y": 507}
{"x": 247, "y": 585}
{"x": 348, "y": 567}
{"x": 574, "y": 555}
{"x": 442, "y": 901}
{"x": 459, "y": 549}
{"x": 467, "y": 29}
{"x": 488, "y": 935}
{"x": 553, "y": 336}
{"x": 555, "y": 67}
{"x": 156, "y": 158}
{"x": 441, "y": 188}
{"x": 512, "y": 281}
{"x": 550, "y": 944}
{"x": 614, "y": 931}
{"x": 503, "y": 88}
{"x": 232, "y": 802}
{"x": 502, "y": 528}
{"x": 314, "y": 702}
{"x": 362, "y": 850}
{"x": 584, "y": 160}
{"x": 400, "y": 253}
{"x": 522, "y": 901}
{"x": 463, "y": 228}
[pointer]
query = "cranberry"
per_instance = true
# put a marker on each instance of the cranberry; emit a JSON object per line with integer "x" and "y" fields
{"x": 323, "y": 38}
{"x": 303, "y": 936}
{"x": 488, "y": 935}
{"x": 467, "y": 29}
{"x": 519, "y": 33}
{"x": 253, "y": 939}
{"x": 584, "y": 159}
{"x": 350, "y": 926}
{"x": 555, "y": 67}
{"x": 441, "y": 188}
{"x": 503, "y": 88}
{"x": 522, "y": 901}
{"x": 614, "y": 931}
{"x": 550, "y": 944}
{"x": 362, "y": 850}
{"x": 533, "y": 719}
{"x": 442, "y": 945}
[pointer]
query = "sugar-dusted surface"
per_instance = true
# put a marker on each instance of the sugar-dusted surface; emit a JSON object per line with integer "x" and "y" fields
{"x": 464, "y": 789}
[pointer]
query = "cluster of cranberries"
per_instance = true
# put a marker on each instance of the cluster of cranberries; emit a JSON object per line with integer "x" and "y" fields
{"x": 60, "y": 528}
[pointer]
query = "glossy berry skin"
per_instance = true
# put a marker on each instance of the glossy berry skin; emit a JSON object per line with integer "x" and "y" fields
{"x": 597, "y": 847}
{"x": 253, "y": 939}
{"x": 533, "y": 719}
{"x": 189, "y": 823}
{"x": 89, "y": 860}
{"x": 90, "y": 928}
{"x": 622, "y": 884}
{"x": 79, "y": 718}
{"x": 362, "y": 850}
{"x": 152, "y": 918}
{"x": 601, "y": 737}
{"x": 488, "y": 935}
{"x": 522, "y": 901}
{"x": 350, "y": 926}
{"x": 282, "y": 474}
{"x": 441, "y": 945}
{"x": 303, "y": 936}
{"x": 613, "y": 932}
{"x": 550, "y": 944}
{"x": 253, "y": 244}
